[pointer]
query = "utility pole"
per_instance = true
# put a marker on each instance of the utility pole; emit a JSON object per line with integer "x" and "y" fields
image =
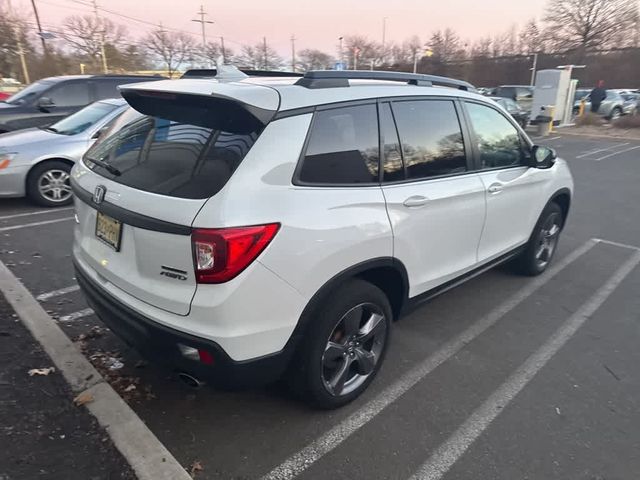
{"x": 105, "y": 68}
{"x": 18, "y": 34}
{"x": 202, "y": 22}
{"x": 224, "y": 52}
{"x": 35, "y": 11}
{"x": 384, "y": 31}
{"x": 264, "y": 53}
{"x": 293, "y": 53}
{"x": 533, "y": 69}
{"x": 341, "y": 52}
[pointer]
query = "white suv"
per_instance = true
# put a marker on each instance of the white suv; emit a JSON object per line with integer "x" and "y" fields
{"x": 245, "y": 229}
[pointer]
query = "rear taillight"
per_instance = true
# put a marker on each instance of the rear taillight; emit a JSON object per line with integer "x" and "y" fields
{"x": 221, "y": 254}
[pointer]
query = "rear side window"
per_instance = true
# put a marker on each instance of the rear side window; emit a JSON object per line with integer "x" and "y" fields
{"x": 431, "y": 138}
{"x": 108, "y": 88}
{"x": 343, "y": 147}
{"x": 169, "y": 157}
{"x": 498, "y": 141}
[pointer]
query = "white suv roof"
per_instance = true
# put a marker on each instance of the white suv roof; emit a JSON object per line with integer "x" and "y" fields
{"x": 322, "y": 87}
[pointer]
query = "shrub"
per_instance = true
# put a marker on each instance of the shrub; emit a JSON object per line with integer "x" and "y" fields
{"x": 628, "y": 121}
{"x": 589, "y": 119}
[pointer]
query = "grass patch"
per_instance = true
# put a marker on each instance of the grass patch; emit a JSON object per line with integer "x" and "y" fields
{"x": 627, "y": 122}
{"x": 589, "y": 119}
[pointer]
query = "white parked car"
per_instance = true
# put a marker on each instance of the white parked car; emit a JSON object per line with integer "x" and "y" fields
{"x": 36, "y": 161}
{"x": 242, "y": 229}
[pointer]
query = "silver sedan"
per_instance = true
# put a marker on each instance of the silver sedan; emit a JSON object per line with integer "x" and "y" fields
{"x": 36, "y": 162}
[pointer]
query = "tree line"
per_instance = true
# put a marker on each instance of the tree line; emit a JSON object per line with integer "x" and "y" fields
{"x": 569, "y": 29}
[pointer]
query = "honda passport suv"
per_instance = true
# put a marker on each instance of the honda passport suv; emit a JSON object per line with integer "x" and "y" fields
{"x": 248, "y": 229}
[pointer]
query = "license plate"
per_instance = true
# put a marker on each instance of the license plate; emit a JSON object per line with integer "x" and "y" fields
{"x": 109, "y": 230}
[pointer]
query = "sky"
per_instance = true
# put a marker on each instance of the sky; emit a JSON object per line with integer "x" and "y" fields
{"x": 316, "y": 24}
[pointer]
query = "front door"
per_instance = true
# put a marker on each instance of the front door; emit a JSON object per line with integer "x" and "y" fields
{"x": 435, "y": 204}
{"x": 511, "y": 185}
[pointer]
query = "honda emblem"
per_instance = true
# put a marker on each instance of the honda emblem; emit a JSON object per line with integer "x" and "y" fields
{"x": 98, "y": 194}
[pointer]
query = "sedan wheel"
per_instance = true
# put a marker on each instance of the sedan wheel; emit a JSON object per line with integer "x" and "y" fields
{"x": 54, "y": 186}
{"x": 548, "y": 240}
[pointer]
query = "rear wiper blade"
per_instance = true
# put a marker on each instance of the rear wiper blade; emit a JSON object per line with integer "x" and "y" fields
{"x": 109, "y": 168}
{"x": 51, "y": 129}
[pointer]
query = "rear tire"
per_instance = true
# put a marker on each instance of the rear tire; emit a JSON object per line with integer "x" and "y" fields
{"x": 48, "y": 184}
{"x": 615, "y": 114}
{"x": 344, "y": 346}
{"x": 543, "y": 242}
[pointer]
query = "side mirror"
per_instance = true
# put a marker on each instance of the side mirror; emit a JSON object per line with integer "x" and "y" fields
{"x": 543, "y": 157}
{"x": 44, "y": 103}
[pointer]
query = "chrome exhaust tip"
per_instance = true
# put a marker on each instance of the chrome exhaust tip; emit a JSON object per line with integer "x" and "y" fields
{"x": 190, "y": 380}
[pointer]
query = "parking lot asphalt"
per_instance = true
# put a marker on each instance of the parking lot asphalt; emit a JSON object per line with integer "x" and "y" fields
{"x": 503, "y": 377}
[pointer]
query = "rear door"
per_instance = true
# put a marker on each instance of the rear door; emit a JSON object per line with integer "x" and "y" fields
{"x": 511, "y": 186}
{"x": 435, "y": 203}
{"x": 151, "y": 176}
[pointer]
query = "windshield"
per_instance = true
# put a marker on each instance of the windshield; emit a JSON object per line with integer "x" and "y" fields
{"x": 169, "y": 157}
{"x": 28, "y": 93}
{"x": 85, "y": 118}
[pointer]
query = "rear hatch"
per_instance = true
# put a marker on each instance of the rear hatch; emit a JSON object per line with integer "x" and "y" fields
{"x": 140, "y": 187}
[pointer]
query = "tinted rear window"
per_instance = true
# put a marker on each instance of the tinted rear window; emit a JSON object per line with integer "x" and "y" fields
{"x": 343, "y": 147}
{"x": 169, "y": 157}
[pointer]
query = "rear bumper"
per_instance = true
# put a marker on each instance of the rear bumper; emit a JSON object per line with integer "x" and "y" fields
{"x": 160, "y": 343}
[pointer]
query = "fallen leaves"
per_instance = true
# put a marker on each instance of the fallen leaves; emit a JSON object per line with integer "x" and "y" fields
{"x": 83, "y": 399}
{"x": 195, "y": 467}
{"x": 41, "y": 371}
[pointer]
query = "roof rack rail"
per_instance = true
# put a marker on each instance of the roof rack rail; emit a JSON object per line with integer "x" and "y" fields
{"x": 212, "y": 72}
{"x": 340, "y": 78}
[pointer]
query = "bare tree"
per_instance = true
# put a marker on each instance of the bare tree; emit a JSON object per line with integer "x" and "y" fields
{"x": 171, "y": 48}
{"x": 259, "y": 56}
{"x": 85, "y": 34}
{"x": 531, "y": 39}
{"x": 587, "y": 25}
{"x": 360, "y": 51}
{"x": 312, "y": 59}
{"x": 482, "y": 47}
{"x": 446, "y": 46}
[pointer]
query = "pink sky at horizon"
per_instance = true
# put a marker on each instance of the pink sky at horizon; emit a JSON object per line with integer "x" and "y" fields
{"x": 315, "y": 25}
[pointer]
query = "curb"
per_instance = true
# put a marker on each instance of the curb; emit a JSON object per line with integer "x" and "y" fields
{"x": 148, "y": 457}
{"x": 608, "y": 137}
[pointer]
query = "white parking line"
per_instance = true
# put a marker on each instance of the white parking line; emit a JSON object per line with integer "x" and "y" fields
{"x": 34, "y": 224}
{"x": 302, "y": 460}
{"x": 616, "y": 153}
{"x": 76, "y": 315}
{"x": 56, "y": 293}
{"x": 450, "y": 451}
{"x": 36, "y": 212}
{"x": 600, "y": 150}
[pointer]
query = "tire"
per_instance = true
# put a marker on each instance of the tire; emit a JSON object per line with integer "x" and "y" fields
{"x": 615, "y": 114}
{"x": 53, "y": 174}
{"x": 543, "y": 242}
{"x": 337, "y": 342}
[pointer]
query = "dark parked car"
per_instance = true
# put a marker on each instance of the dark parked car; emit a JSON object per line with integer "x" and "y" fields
{"x": 523, "y": 94}
{"x": 51, "y": 99}
{"x": 516, "y": 111}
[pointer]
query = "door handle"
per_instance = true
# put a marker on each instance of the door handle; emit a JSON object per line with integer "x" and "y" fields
{"x": 415, "y": 201}
{"x": 495, "y": 188}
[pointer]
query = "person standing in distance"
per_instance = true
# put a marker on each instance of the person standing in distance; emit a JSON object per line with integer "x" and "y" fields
{"x": 597, "y": 95}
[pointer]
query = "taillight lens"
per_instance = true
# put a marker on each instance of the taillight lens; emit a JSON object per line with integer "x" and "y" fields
{"x": 221, "y": 254}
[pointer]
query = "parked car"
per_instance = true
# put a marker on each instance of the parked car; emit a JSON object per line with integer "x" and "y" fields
{"x": 612, "y": 106}
{"x": 270, "y": 227}
{"x": 51, "y": 99}
{"x": 511, "y": 106}
{"x": 523, "y": 94}
{"x": 36, "y": 162}
{"x": 631, "y": 104}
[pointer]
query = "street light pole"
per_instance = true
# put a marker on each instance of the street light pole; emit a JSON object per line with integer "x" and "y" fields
{"x": 533, "y": 69}
{"x": 202, "y": 22}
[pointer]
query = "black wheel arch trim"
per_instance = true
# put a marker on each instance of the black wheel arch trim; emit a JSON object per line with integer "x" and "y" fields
{"x": 335, "y": 281}
{"x": 127, "y": 216}
{"x": 562, "y": 192}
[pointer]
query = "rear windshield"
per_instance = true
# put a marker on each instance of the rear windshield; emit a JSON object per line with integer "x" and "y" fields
{"x": 169, "y": 157}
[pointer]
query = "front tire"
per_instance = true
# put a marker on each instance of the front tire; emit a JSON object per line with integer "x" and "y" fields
{"x": 49, "y": 184}
{"x": 344, "y": 345}
{"x": 616, "y": 113}
{"x": 543, "y": 242}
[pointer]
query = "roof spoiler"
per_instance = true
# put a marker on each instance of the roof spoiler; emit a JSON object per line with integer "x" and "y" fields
{"x": 209, "y": 111}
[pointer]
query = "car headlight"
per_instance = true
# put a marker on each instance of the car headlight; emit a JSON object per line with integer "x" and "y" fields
{"x": 5, "y": 159}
